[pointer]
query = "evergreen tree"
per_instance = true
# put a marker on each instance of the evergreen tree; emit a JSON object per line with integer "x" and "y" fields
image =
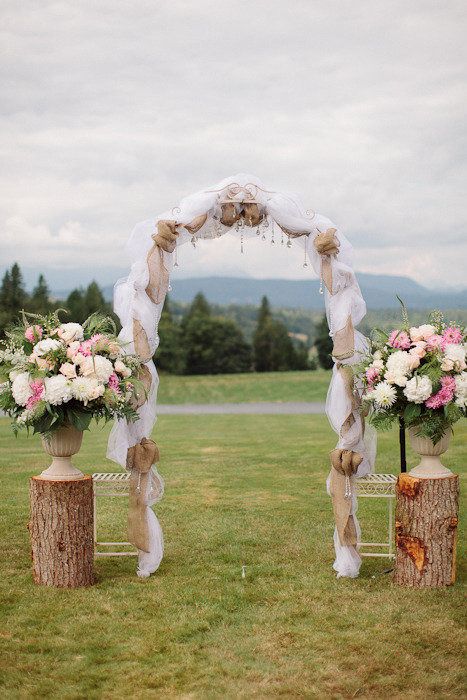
{"x": 323, "y": 344}
{"x": 40, "y": 298}
{"x": 75, "y": 305}
{"x": 169, "y": 355}
{"x": 93, "y": 300}
{"x": 273, "y": 349}
{"x": 18, "y": 297}
{"x": 13, "y": 297}
{"x": 198, "y": 307}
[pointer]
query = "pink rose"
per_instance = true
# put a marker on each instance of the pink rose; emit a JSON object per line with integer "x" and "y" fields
{"x": 418, "y": 349}
{"x": 33, "y": 333}
{"x": 434, "y": 341}
{"x": 421, "y": 332}
{"x": 68, "y": 370}
{"x": 399, "y": 339}
{"x": 72, "y": 349}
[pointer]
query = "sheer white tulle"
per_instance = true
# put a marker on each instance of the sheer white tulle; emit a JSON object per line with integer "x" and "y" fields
{"x": 132, "y": 302}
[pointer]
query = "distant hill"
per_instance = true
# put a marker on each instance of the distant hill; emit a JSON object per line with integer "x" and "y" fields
{"x": 379, "y": 292}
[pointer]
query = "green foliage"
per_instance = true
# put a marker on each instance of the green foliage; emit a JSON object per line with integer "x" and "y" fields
{"x": 214, "y": 346}
{"x": 39, "y": 301}
{"x": 382, "y": 420}
{"x": 323, "y": 344}
{"x": 170, "y": 355}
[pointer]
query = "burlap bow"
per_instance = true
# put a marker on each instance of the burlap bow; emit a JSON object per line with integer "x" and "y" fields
{"x": 140, "y": 459}
{"x": 344, "y": 465}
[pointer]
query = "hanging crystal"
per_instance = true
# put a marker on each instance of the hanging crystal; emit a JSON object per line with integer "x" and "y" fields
{"x": 321, "y": 290}
{"x": 289, "y": 242}
{"x": 241, "y": 242}
{"x": 305, "y": 264}
{"x": 272, "y": 232}
{"x": 176, "y": 256}
{"x": 193, "y": 241}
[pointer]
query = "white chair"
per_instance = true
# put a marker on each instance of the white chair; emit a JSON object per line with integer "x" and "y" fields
{"x": 379, "y": 486}
{"x": 114, "y": 484}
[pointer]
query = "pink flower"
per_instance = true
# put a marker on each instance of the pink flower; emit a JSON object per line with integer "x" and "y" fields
{"x": 372, "y": 375}
{"x": 451, "y": 335}
{"x": 433, "y": 342}
{"x": 33, "y": 333}
{"x": 418, "y": 349}
{"x": 37, "y": 387}
{"x": 86, "y": 347}
{"x": 444, "y": 395}
{"x": 113, "y": 383}
{"x": 399, "y": 339}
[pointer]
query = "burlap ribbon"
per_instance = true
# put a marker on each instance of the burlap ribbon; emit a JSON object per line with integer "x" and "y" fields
{"x": 344, "y": 341}
{"x": 140, "y": 459}
{"x": 344, "y": 466}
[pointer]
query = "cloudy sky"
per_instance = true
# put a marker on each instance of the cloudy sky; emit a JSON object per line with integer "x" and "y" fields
{"x": 114, "y": 110}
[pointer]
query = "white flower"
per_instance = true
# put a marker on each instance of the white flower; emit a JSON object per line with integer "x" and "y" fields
{"x": 20, "y": 388}
{"x": 86, "y": 389}
{"x": 384, "y": 395}
{"x": 378, "y": 355}
{"x": 45, "y": 346}
{"x": 454, "y": 358}
{"x": 13, "y": 374}
{"x": 398, "y": 366}
{"x": 99, "y": 367}
{"x": 418, "y": 389}
{"x": 421, "y": 332}
{"x": 68, "y": 370}
{"x": 57, "y": 390}
{"x": 377, "y": 364}
{"x": 70, "y": 332}
{"x": 461, "y": 390}
{"x": 121, "y": 368}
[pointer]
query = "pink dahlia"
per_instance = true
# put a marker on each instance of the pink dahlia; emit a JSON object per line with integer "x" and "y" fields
{"x": 113, "y": 383}
{"x": 434, "y": 341}
{"x": 451, "y": 335}
{"x": 37, "y": 387}
{"x": 399, "y": 339}
{"x": 444, "y": 395}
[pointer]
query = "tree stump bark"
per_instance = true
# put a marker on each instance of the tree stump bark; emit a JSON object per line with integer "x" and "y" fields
{"x": 62, "y": 534}
{"x": 426, "y": 531}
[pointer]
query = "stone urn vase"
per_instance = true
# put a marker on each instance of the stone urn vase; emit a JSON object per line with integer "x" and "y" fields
{"x": 430, "y": 466}
{"x": 61, "y": 444}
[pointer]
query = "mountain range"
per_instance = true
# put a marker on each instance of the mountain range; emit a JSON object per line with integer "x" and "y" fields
{"x": 379, "y": 292}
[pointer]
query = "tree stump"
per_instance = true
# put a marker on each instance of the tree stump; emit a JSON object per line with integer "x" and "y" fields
{"x": 61, "y": 529}
{"x": 426, "y": 531}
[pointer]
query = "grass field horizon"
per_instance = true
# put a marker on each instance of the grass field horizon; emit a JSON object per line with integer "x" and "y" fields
{"x": 240, "y": 490}
{"x": 310, "y": 385}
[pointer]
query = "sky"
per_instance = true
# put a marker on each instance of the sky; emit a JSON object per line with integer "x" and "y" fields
{"x": 111, "y": 112}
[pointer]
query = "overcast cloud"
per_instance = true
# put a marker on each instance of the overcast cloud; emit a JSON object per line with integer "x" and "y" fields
{"x": 112, "y": 111}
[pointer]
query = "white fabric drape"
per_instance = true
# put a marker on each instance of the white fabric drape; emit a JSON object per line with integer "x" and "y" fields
{"x": 131, "y": 302}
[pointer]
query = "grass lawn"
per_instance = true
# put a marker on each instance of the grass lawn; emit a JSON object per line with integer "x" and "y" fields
{"x": 240, "y": 490}
{"x": 235, "y": 388}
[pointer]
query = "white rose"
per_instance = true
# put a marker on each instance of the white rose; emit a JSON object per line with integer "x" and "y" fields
{"x": 57, "y": 390}
{"x": 121, "y": 368}
{"x": 418, "y": 389}
{"x": 454, "y": 358}
{"x": 86, "y": 389}
{"x": 68, "y": 370}
{"x": 70, "y": 332}
{"x": 377, "y": 364}
{"x": 45, "y": 346}
{"x": 20, "y": 388}
{"x": 99, "y": 367}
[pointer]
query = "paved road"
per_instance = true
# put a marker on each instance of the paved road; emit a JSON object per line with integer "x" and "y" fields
{"x": 288, "y": 407}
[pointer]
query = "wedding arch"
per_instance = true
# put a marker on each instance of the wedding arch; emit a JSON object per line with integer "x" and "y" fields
{"x": 243, "y": 205}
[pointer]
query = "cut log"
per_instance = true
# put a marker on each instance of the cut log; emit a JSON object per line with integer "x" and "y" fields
{"x": 426, "y": 531}
{"x": 61, "y": 529}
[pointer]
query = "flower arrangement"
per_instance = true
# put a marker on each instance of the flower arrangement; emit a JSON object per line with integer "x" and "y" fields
{"x": 418, "y": 374}
{"x": 56, "y": 374}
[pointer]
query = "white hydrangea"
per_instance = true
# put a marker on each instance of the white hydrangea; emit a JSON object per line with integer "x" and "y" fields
{"x": 384, "y": 395}
{"x": 70, "y": 332}
{"x": 461, "y": 390}
{"x": 454, "y": 358}
{"x": 99, "y": 367}
{"x": 418, "y": 389}
{"x": 20, "y": 388}
{"x": 57, "y": 390}
{"x": 87, "y": 389}
{"x": 45, "y": 346}
{"x": 398, "y": 366}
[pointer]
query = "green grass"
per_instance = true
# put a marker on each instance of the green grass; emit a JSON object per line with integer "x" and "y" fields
{"x": 239, "y": 490}
{"x": 237, "y": 388}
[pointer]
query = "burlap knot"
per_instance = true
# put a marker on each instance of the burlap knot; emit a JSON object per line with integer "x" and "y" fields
{"x": 140, "y": 459}
{"x": 344, "y": 466}
{"x": 251, "y": 214}
{"x": 166, "y": 236}
{"x": 230, "y": 213}
{"x": 326, "y": 243}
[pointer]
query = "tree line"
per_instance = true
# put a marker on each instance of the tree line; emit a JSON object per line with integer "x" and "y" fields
{"x": 199, "y": 342}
